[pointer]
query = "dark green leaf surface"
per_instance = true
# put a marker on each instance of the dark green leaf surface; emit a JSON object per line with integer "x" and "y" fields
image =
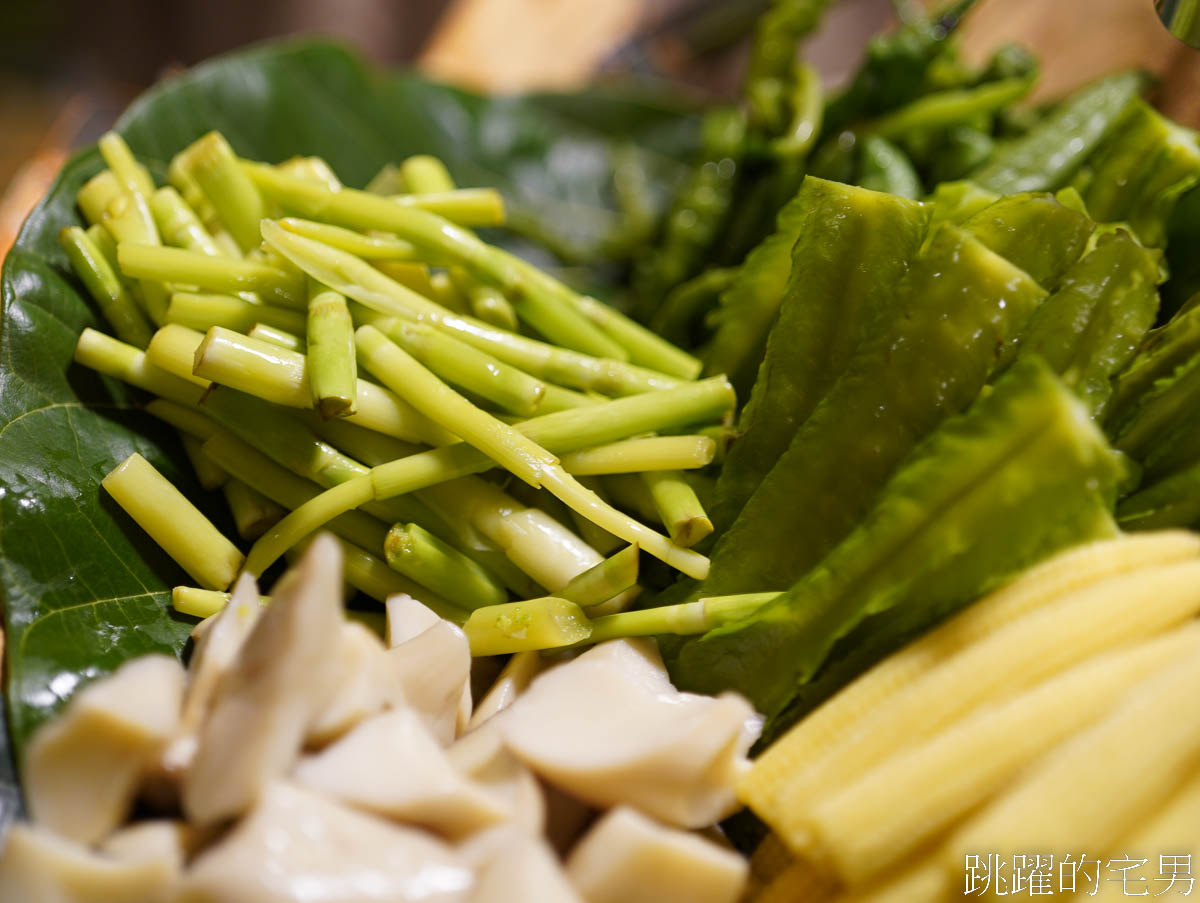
{"x": 84, "y": 589}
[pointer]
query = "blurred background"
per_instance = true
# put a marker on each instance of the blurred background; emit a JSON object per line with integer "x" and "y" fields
{"x": 68, "y": 67}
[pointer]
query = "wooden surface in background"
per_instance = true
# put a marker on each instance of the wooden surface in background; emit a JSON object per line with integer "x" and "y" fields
{"x": 1078, "y": 40}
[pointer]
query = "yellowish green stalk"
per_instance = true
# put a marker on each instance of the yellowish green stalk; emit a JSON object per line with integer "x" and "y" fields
{"x": 96, "y": 194}
{"x": 367, "y": 446}
{"x": 209, "y": 474}
{"x": 202, "y": 311}
{"x": 471, "y": 369}
{"x": 122, "y": 361}
{"x": 202, "y": 603}
{"x": 247, "y": 464}
{"x": 278, "y": 375}
{"x": 332, "y": 366}
{"x": 104, "y": 285}
{"x": 368, "y": 247}
{"x": 173, "y": 348}
{"x": 421, "y": 556}
{"x": 211, "y": 163}
{"x": 314, "y": 169}
{"x": 381, "y": 297}
{"x": 174, "y": 523}
{"x": 545, "y": 623}
{"x": 611, "y": 577}
{"x": 370, "y": 574}
{"x": 644, "y": 347}
{"x": 686, "y": 619}
{"x": 654, "y": 453}
{"x": 678, "y": 507}
{"x": 178, "y": 223}
{"x": 253, "y": 513}
{"x": 187, "y": 420}
{"x": 133, "y": 178}
{"x": 363, "y": 210}
{"x": 212, "y": 274}
{"x": 539, "y": 299}
{"x": 281, "y": 338}
{"x": 560, "y": 432}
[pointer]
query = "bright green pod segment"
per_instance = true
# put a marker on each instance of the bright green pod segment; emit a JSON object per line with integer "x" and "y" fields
{"x": 104, "y": 285}
{"x": 330, "y": 358}
{"x": 421, "y": 556}
{"x": 174, "y": 523}
{"x": 368, "y": 247}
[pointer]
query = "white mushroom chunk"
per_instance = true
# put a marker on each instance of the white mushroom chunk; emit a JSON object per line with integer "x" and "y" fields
{"x": 38, "y": 866}
{"x": 516, "y": 867}
{"x": 159, "y": 840}
{"x": 296, "y": 846}
{"x": 216, "y": 649}
{"x": 627, "y": 858}
{"x": 609, "y": 728}
{"x": 279, "y": 682}
{"x": 358, "y": 691}
{"x": 514, "y": 680}
{"x": 407, "y": 618}
{"x": 433, "y": 672}
{"x": 392, "y": 765}
{"x": 482, "y": 756}
{"x": 83, "y": 769}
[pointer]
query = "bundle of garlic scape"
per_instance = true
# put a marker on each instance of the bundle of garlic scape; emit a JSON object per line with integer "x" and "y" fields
{"x": 300, "y": 757}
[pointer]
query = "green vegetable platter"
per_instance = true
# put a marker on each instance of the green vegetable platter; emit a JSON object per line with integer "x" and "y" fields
{"x": 84, "y": 590}
{"x": 783, "y": 383}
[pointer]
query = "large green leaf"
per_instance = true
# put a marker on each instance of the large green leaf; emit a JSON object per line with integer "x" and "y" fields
{"x": 83, "y": 589}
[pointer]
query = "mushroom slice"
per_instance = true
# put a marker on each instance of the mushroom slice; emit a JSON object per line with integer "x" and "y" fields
{"x": 280, "y": 681}
{"x": 514, "y": 680}
{"x": 627, "y": 858}
{"x": 82, "y": 770}
{"x": 358, "y": 691}
{"x": 432, "y": 672}
{"x": 392, "y": 765}
{"x": 512, "y": 866}
{"x": 296, "y": 846}
{"x": 609, "y": 728}
{"x": 482, "y": 756}
{"x": 160, "y": 840}
{"x": 217, "y": 647}
{"x": 38, "y": 866}
{"x": 407, "y": 618}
